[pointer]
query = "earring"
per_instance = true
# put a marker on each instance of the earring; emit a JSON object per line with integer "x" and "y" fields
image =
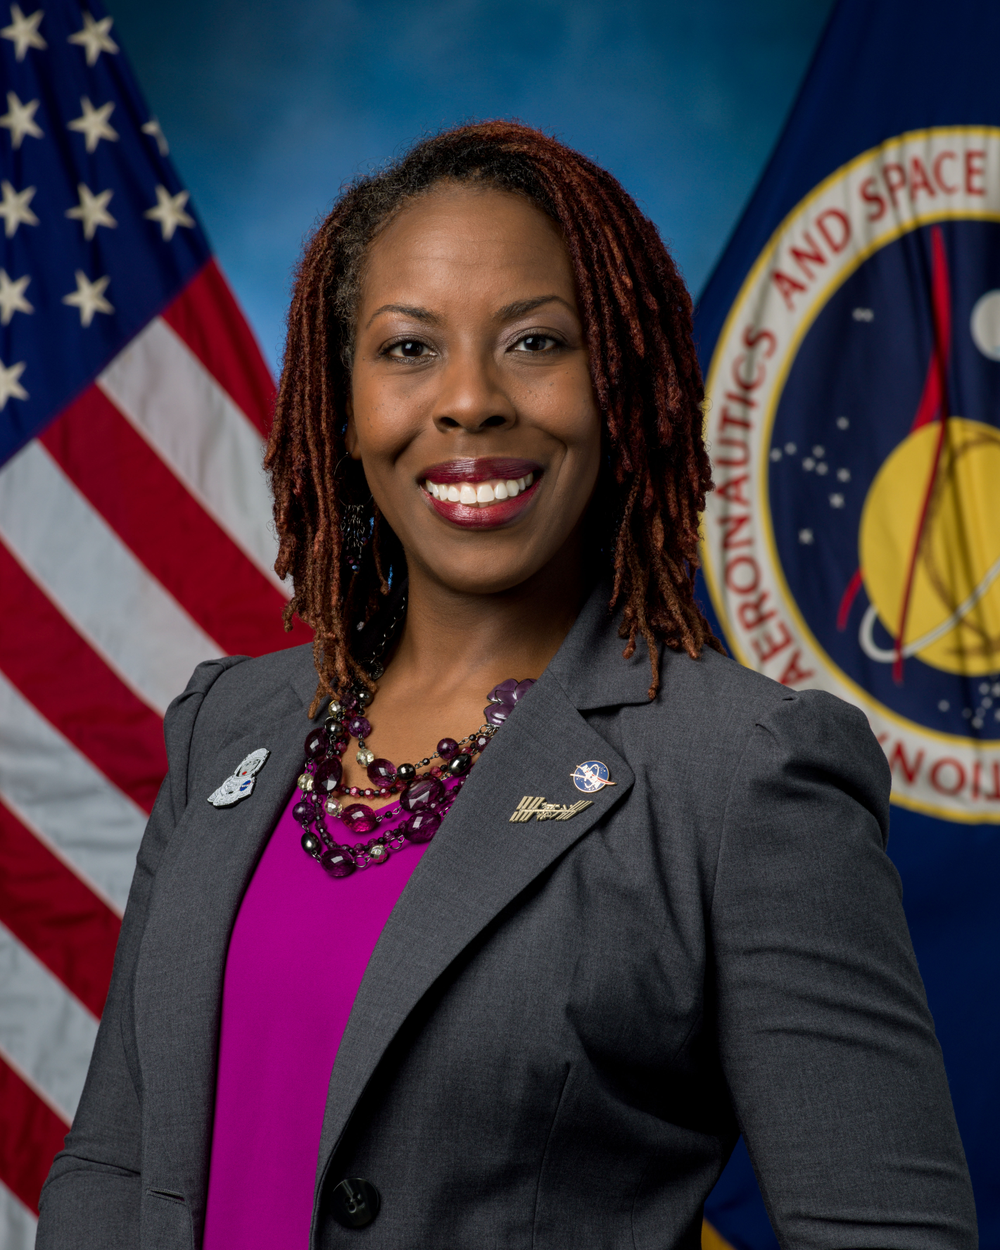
{"x": 355, "y": 531}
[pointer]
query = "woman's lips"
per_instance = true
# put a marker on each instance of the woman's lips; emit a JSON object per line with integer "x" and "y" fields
{"x": 479, "y": 469}
{"x": 489, "y": 513}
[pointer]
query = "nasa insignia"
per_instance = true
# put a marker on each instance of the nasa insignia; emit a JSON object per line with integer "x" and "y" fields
{"x": 852, "y": 543}
{"x": 591, "y": 776}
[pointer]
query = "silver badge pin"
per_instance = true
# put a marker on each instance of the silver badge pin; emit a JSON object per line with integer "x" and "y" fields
{"x": 591, "y": 776}
{"x": 240, "y": 784}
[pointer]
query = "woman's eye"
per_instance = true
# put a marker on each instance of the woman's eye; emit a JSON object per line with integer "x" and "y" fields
{"x": 408, "y": 349}
{"x": 536, "y": 343}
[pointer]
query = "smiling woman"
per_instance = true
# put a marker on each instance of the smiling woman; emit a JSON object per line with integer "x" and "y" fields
{"x": 523, "y": 988}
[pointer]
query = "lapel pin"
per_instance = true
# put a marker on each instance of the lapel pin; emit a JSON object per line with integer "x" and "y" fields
{"x": 539, "y": 808}
{"x": 591, "y": 776}
{"x": 240, "y": 784}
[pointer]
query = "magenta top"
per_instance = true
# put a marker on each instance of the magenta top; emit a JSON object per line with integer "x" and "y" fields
{"x": 300, "y": 946}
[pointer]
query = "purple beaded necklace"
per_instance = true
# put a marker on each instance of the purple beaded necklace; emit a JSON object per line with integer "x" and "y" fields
{"x": 423, "y": 796}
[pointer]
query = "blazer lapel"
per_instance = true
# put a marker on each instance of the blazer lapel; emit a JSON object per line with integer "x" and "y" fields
{"x": 478, "y": 863}
{"x": 200, "y": 883}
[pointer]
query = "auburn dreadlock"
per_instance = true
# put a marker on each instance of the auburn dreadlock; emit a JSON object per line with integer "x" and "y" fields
{"x": 636, "y": 316}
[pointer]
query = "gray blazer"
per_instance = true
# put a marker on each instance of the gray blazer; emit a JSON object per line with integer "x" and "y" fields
{"x": 565, "y": 1024}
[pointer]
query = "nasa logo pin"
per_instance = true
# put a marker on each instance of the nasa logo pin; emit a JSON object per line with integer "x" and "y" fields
{"x": 591, "y": 776}
{"x": 240, "y": 784}
{"x": 852, "y": 542}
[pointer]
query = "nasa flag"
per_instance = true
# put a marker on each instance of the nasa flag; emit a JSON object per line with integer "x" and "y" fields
{"x": 850, "y": 339}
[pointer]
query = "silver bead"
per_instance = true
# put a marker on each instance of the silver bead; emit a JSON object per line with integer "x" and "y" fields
{"x": 334, "y": 708}
{"x": 332, "y": 806}
{"x": 365, "y": 697}
{"x": 305, "y": 782}
{"x": 365, "y": 757}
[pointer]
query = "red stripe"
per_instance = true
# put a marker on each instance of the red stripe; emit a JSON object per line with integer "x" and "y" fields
{"x": 50, "y": 910}
{"x": 941, "y": 297}
{"x": 71, "y": 686}
{"x": 30, "y": 1135}
{"x": 173, "y": 536}
{"x": 209, "y": 320}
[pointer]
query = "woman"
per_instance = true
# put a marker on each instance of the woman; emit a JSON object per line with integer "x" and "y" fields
{"x": 659, "y": 912}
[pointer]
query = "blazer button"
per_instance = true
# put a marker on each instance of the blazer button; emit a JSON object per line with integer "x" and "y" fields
{"x": 355, "y": 1202}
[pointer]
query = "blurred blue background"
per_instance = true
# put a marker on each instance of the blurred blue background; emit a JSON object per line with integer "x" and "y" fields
{"x": 270, "y": 105}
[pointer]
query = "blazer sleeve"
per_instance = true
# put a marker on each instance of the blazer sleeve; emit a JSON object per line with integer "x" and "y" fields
{"x": 90, "y": 1200}
{"x": 827, "y": 1042}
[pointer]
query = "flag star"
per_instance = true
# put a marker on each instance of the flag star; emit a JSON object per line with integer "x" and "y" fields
{"x": 14, "y": 208}
{"x": 20, "y": 119}
{"x": 836, "y": 501}
{"x": 92, "y": 210}
{"x": 94, "y": 37}
{"x": 12, "y": 297}
{"x": 152, "y": 127}
{"x": 93, "y": 123}
{"x": 23, "y": 31}
{"x": 805, "y": 536}
{"x": 89, "y": 297}
{"x": 169, "y": 211}
{"x": 10, "y": 383}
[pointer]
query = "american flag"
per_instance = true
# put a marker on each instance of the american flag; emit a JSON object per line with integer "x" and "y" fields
{"x": 135, "y": 535}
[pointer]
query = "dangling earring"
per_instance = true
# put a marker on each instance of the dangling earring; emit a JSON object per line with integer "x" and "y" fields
{"x": 355, "y": 532}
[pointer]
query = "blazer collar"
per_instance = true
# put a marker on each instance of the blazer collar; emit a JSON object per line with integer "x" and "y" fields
{"x": 480, "y": 861}
{"x": 589, "y": 665}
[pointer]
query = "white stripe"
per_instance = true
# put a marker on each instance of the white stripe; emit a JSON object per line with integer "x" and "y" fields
{"x": 96, "y": 581}
{"x": 165, "y": 391}
{"x": 64, "y": 800}
{"x": 45, "y": 1033}
{"x": 17, "y": 1224}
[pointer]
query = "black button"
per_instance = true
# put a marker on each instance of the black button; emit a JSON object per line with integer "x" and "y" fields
{"x": 355, "y": 1202}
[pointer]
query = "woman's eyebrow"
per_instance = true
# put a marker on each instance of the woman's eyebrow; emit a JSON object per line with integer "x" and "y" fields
{"x": 523, "y": 306}
{"x": 407, "y": 310}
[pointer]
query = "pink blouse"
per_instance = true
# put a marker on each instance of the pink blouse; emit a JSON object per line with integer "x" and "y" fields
{"x": 299, "y": 950}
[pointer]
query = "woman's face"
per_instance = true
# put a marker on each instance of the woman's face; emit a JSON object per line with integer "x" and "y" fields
{"x": 471, "y": 404}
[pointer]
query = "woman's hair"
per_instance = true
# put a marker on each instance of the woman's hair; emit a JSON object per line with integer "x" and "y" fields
{"x": 636, "y": 317}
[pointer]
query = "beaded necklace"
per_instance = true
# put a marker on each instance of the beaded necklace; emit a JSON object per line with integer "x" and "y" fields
{"x": 423, "y": 796}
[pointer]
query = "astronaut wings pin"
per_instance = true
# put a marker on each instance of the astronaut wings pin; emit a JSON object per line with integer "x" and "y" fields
{"x": 240, "y": 784}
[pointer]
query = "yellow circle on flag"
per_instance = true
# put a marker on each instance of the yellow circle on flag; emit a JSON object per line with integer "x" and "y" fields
{"x": 929, "y": 546}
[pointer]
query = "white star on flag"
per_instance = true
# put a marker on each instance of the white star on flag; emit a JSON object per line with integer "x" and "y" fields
{"x": 92, "y": 210}
{"x": 89, "y": 297}
{"x": 12, "y": 297}
{"x": 20, "y": 119}
{"x": 14, "y": 208}
{"x": 93, "y": 123}
{"x": 23, "y": 33}
{"x": 169, "y": 211}
{"x": 10, "y": 386}
{"x": 152, "y": 127}
{"x": 94, "y": 37}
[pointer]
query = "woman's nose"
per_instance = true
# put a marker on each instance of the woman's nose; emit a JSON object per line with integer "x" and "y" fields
{"x": 472, "y": 396}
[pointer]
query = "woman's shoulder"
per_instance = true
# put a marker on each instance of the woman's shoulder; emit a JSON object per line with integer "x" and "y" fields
{"x": 227, "y": 690}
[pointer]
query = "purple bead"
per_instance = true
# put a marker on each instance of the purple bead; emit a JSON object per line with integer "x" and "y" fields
{"x": 337, "y": 862}
{"x": 446, "y": 748}
{"x": 421, "y": 827}
{"x": 481, "y": 741}
{"x": 317, "y": 744}
{"x": 327, "y": 776}
{"x": 304, "y": 811}
{"x": 358, "y": 818}
{"x": 423, "y": 796}
{"x": 382, "y": 772}
{"x": 503, "y": 697}
{"x": 359, "y": 727}
{"x": 349, "y": 701}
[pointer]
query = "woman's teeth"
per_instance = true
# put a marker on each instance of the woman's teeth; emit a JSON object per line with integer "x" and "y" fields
{"x": 478, "y": 493}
